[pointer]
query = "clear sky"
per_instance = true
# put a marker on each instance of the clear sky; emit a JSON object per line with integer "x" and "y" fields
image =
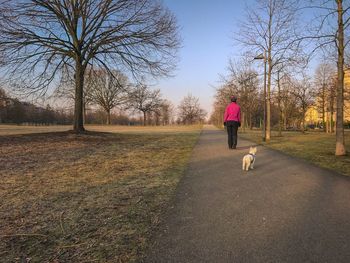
{"x": 206, "y": 28}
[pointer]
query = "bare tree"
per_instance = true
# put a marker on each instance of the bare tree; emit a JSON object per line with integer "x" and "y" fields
{"x": 270, "y": 28}
{"x": 108, "y": 90}
{"x": 302, "y": 92}
{"x": 284, "y": 71}
{"x": 167, "y": 112}
{"x": 241, "y": 81}
{"x": 330, "y": 32}
{"x": 331, "y": 102}
{"x": 222, "y": 95}
{"x": 143, "y": 99}
{"x": 340, "y": 143}
{"x": 244, "y": 81}
{"x": 279, "y": 101}
{"x": 40, "y": 37}
{"x": 189, "y": 110}
{"x": 222, "y": 98}
{"x": 324, "y": 82}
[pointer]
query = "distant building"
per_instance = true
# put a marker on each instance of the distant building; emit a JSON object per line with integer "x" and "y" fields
{"x": 314, "y": 113}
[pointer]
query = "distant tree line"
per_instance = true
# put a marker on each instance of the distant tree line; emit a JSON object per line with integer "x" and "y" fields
{"x": 15, "y": 111}
{"x": 154, "y": 110}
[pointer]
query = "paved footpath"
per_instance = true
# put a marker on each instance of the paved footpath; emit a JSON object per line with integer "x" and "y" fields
{"x": 284, "y": 210}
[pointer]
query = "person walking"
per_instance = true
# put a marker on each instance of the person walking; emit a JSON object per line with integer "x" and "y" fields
{"x": 232, "y": 120}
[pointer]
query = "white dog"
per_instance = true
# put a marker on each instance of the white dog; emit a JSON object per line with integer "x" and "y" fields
{"x": 249, "y": 159}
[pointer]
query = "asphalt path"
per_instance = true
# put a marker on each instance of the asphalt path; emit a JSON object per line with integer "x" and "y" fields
{"x": 285, "y": 210}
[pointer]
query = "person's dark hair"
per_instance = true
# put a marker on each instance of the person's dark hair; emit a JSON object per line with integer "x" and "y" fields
{"x": 233, "y": 98}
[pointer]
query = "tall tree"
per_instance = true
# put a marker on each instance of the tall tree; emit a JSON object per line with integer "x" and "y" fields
{"x": 244, "y": 81}
{"x": 40, "y": 37}
{"x": 285, "y": 71}
{"x": 328, "y": 30}
{"x": 289, "y": 103}
{"x": 340, "y": 143}
{"x": 324, "y": 78}
{"x": 279, "y": 102}
{"x": 270, "y": 27}
{"x": 301, "y": 90}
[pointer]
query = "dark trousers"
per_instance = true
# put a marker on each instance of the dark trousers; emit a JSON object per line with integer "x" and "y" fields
{"x": 232, "y": 127}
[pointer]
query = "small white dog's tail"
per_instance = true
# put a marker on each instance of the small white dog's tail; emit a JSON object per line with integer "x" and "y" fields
{"x": 246, "y": 163}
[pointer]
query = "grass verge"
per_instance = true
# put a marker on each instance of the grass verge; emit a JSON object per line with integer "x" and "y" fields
{"x": 87, "y": 198}
{"x": 315, "y": 147}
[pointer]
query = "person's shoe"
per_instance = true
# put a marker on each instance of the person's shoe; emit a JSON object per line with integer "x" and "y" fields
{"x": 233, "y": 147}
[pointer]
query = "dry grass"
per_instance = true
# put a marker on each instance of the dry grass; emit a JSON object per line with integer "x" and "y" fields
{"x": 87, "y": 198}
{"x": 140, "y": 129}
{"x": 6, "y": 129}
{"x": 315, "y": 147}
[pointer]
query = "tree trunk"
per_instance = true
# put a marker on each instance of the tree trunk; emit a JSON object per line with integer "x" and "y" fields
{"x": 331, "y": 121}
{"x": 331, "y": 116}
{"x": 268, "y": 100}
{"x": 269, "y": 62}
{"x": 279, "y": 106}
{"x": 78, "y": 107}
{"x": 84, "y": 111}
{"x": 303, "y": 121}
{"x": 144, "y": 118}
{"x": 340, "y": 145}
{"x": 327, "y": 123}
{"x": 268, "y": 94}
{"x": 243, "y": 121}
{"x": 264, "y": 100}
{"x": 108, "y": 122}
{"x": 323, "y": 107}
{"x": 250, "y": 121}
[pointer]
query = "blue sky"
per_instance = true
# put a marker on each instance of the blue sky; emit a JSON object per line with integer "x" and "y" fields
{"x": 207, "y": 29}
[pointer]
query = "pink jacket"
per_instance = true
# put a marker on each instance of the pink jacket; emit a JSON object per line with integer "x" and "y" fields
{"x": 232, "y": 112}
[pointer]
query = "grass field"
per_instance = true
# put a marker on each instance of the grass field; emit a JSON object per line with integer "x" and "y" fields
{"x": 87, "y": 198}
{"x": 315, "y": 147}
{"x": 22, "y": 129}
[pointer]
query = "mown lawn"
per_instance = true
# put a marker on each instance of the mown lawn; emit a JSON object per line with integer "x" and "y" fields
{"x": 87, "y": 198}
{"x": 315, "y": 147}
